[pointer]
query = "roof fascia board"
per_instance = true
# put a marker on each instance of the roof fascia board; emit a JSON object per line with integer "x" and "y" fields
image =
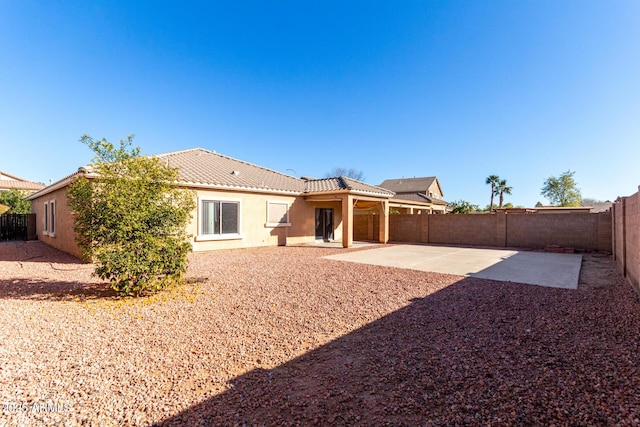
{"x": 396, "y": 203}
{"x": 368, "y": 198}
{"x": 232, "y": 188}
{"x": 349, "y": 191}
{"x": 53, "y": 187}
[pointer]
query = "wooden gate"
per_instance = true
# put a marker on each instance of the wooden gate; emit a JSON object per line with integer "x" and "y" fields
{"x": 14, "y": 227}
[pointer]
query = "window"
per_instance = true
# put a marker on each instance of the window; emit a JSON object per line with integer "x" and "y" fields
{"x": 219, "y": 219}
{"x": 52, "y": 217}
{"x": 46, "y": 218}
{"x": 49, "y": 226}
{"x": 277, "y": 214}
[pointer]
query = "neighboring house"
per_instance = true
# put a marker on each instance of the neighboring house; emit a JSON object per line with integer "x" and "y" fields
{"x": 239, "y": 204}
{"x": 8, "y": 181}
{"x": 416, "y": 195}
{"x": 600, "y": 207}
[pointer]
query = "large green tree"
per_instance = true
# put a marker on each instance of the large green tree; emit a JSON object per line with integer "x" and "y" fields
{"x": 492, "y": 180}
{"x": 15, "y": 200}
{"x": 562, "y": 190}
{"x": 502, "y": 188}
{"x": 131, "y": 218}
{"x": 462, "y": 207}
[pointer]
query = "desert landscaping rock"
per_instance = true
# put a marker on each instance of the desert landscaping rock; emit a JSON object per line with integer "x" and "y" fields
{"x": 280, "y": 336}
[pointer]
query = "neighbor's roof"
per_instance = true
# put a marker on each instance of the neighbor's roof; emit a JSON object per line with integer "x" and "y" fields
{"x": 409, "y": 185}
{"x": 419, "y": 197}
{"x": 344, "y": 183}
{"x": 8, "y": 181}
{"x": 200, "y": 167}
{"x": 600, "y": 206}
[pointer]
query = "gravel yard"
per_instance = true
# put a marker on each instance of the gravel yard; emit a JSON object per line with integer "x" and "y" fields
{"x": 279, "y": 336}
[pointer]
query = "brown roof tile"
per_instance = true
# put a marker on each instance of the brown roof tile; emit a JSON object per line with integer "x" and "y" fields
{"x": 344, "y": 183}
{"x": 198, "y": 166}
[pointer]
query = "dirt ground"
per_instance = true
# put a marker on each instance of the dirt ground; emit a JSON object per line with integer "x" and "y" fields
{"x": 280, "y": 336}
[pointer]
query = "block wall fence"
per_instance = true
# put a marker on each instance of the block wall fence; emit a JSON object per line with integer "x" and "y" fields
{"x": 626, "y": 237}
{"x": 581, "y": 231}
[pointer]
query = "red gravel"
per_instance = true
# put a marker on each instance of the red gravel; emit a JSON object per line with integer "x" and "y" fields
{"x": 280, "y": 336}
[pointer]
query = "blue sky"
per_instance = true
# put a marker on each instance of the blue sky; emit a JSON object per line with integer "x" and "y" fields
{"x": 457, "y": 89}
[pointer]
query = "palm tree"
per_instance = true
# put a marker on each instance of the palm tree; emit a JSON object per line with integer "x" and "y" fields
{"x": 503, "y": 189}
{"x": 494, "y": 180}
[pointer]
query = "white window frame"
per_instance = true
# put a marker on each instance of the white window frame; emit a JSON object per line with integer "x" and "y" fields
{"x": 52, "y": 218}
{"x": 49, "y": 218}
{"x": 277, "y": 224}
{"x": 228, "y": 236}
{"x": 45, "y": 219}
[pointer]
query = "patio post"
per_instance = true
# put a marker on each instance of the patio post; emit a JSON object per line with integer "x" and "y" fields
{"x": 347, "y": 220}
{"x": 383, "y": 233}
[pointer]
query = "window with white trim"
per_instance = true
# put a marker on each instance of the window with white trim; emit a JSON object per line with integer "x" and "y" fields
{"x": 45, "y": 226}
{"x": 49, "y": 226}
{"x": 277, "y": 214}
{"x": 52, "y": 217}
{"x": 219, "y": 218}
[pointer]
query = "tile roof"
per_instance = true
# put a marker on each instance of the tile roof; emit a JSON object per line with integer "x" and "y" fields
{"x": 198, "y": 167}
{"x": 201, "y": 167}
{"x": 408, "y": 185}
{"x": 344, "y": 183}
{"x": 8, "y": 181}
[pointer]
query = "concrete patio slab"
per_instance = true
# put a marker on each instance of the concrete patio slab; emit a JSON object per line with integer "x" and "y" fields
{"x": 535, "y": 268}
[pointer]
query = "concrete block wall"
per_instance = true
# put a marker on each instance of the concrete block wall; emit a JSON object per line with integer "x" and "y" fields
{"x": 409, "y": 228}
{"x": 605, "y": 236}
{"x": 626, "y": 237}
{"x": 581, "y": 231}
{"x": 32, "y": 234}
{"x": 477, "y": 230}
{"x": 619, "y": 233}
{"x": 363, "y": 227}
{"x": 575, "y": 230}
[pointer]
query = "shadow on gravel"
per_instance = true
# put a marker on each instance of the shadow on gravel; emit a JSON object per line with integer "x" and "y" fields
{"x": 41, "y": 289}
{"x": 17, "y": 281}
{"x": 478, "y": 352}
{"x": 35, "y": 251}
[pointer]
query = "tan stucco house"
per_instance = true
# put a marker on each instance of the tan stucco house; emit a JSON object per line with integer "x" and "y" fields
{"x": 239, "y": 204}
{"x": 416, "y": 195}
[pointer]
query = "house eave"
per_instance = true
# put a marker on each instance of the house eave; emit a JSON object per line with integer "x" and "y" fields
{"x": 348, "y": 191}
{"x": 206, "y": 186}
{"x": 53, "y": 187}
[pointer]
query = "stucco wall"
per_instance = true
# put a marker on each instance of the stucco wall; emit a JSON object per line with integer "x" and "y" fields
{"x": 64, "y": 238}
{"x": 253, "y": 219}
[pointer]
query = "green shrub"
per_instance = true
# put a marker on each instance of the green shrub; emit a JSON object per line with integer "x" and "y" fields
{"x": 130, "y": 218}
